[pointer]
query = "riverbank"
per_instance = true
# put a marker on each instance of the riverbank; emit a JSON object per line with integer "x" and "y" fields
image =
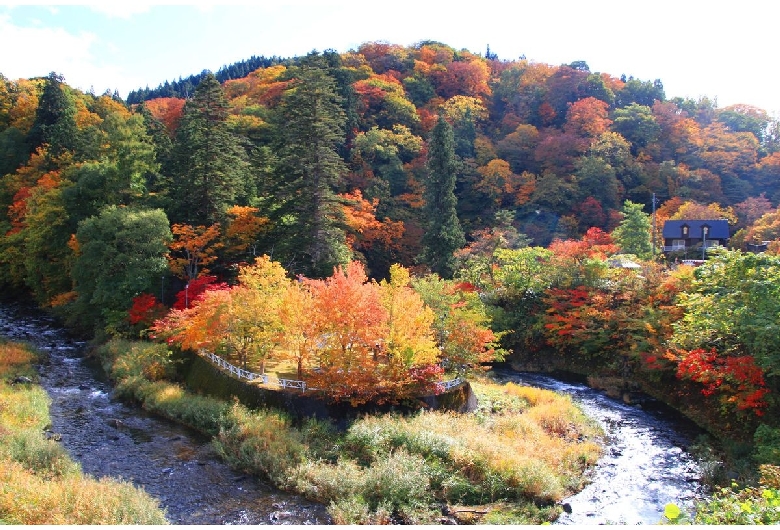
{"x": 511, "y": 461}
{"x": 41, "y": 484}
{"x": 112, "y": 439}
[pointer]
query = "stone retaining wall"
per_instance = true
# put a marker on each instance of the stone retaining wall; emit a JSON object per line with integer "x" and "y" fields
{"x": 202, "y": 377}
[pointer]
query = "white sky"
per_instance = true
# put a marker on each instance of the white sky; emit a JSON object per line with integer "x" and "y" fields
{"x": 723, "y": 50}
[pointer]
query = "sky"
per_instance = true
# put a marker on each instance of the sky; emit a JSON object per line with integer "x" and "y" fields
{"x": 725, "y": 51}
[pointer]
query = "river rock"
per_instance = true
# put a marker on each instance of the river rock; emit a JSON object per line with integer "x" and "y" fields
{"x": 54, "y": 436}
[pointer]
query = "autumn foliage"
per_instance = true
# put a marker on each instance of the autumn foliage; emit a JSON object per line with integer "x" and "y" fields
{"x": 145, "y": 310}
{"x": 352, "y": 338}
{"x": 737, "y": 380}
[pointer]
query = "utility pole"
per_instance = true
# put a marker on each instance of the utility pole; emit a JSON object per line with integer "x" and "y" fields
{"x": 703, "y": 241}
{"x": 654, "y": 227}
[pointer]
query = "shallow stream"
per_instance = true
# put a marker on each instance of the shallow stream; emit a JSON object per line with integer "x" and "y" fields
{"x": 109, "y": 438}
{"x": 646, "y": 462}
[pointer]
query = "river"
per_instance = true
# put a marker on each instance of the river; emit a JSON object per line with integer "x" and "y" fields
{"x": 645, "y": 465}
{"x": 172, "y": 463}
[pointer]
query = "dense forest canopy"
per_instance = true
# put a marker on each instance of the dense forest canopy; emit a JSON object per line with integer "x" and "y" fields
{"x": 515, "y": 179}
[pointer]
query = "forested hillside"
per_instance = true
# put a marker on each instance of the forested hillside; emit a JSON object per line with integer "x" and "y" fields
{"x": 521, "y": 180}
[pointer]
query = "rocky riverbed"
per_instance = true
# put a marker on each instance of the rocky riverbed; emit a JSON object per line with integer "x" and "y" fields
{"x": 111, "y": 438}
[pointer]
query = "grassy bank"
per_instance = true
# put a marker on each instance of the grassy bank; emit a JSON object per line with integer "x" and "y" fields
{"x": 39, "y": 483}
{"x": 520, "y": 453}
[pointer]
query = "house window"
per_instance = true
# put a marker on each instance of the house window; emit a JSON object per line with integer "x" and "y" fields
{"x": 685, "y": 231}
{"x": 678, "y": 244}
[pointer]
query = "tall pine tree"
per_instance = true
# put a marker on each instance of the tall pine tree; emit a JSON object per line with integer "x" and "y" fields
{"x": 208, "y": 163}
{"x": 443, "y": 234}
{"x": 55, "y": 123}
{"x": 309, "y": 227}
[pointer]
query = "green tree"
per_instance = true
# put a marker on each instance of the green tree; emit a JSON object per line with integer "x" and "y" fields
{"x": 461, "y": 325}
{"x": 119, "y": 176}
{"x": 209, "y": 164}
{"x": 633, "y": 235}
{"x": 47, "y": 258}
{"x": 55, "y": 122}
{"x": 597, "y": 178}
{"x": 640, "y": 92}
{"x": 732, "y": 305}
{"x": 636, "y": 124}
{"x": 121, "y": 253}
{"x": 13, "y": 147}
{"x": 444, "y": 234}
{"x": 386, "y": 152}
{"x": 308, "y": 225}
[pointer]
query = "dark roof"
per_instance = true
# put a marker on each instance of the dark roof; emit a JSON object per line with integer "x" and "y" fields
{"x": 718, "y": 228}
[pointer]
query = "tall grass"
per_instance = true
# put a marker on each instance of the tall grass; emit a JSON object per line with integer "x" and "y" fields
{"x": 15, "y": 360}
{"x": 532, "y": 451}
{"x": 39, "y": 483}
{"x": 260, "y": 442}
{"x": 523, "y": 451}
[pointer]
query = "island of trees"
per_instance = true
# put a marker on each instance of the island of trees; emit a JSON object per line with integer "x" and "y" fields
{"x": 379, "y": 216}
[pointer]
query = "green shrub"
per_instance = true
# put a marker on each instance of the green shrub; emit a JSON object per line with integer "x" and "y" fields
{"x": 43, "y": 457}
{"x": 321, "y": 439}
{"x": 327, "y": 483}
{"x": 396, "y": 484}
{"x": 351, "y": 511}
{"x": 767, "y": 445}
{"x": 260, "y": 442}
{"x": 401, "y": 480}
{"x": 122, "y": 359}
{"x": 736, "y": 505}
{"x": 25, "y": 406}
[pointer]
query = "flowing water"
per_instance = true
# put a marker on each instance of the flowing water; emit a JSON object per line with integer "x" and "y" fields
{"x": 645, "y": 464}
{"x": 110, "y": 438}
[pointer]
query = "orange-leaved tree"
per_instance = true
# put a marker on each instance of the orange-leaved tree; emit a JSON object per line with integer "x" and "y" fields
{"x": 244, "y": 230}
{"x": 301, "y": 338}
{"x": 192, "y": 249}
{"x": 196, "y": 326}
{"x": 365, "y": 230}
{"x": 241, "y": 322}
{"x": 352, "y": 323}
{"x": 410, "y": 345}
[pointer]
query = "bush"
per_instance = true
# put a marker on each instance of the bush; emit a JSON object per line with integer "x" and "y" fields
{"x": 15, "y": 360}
{"x": 736, "y": 505}
{"x": 45, "y": 458}
{"x": 767, "y": 445}
{"x": 260, "y": 442}
{"x": 123, "y": 359}
{"x": 396, "y": 484}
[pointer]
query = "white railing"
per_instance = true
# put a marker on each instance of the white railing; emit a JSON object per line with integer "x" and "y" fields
{"x": 292, "y": 383}
{"x": 234, "y": 370}
{"x": 240, "y": 373}
{"x": 444, "y": 386}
